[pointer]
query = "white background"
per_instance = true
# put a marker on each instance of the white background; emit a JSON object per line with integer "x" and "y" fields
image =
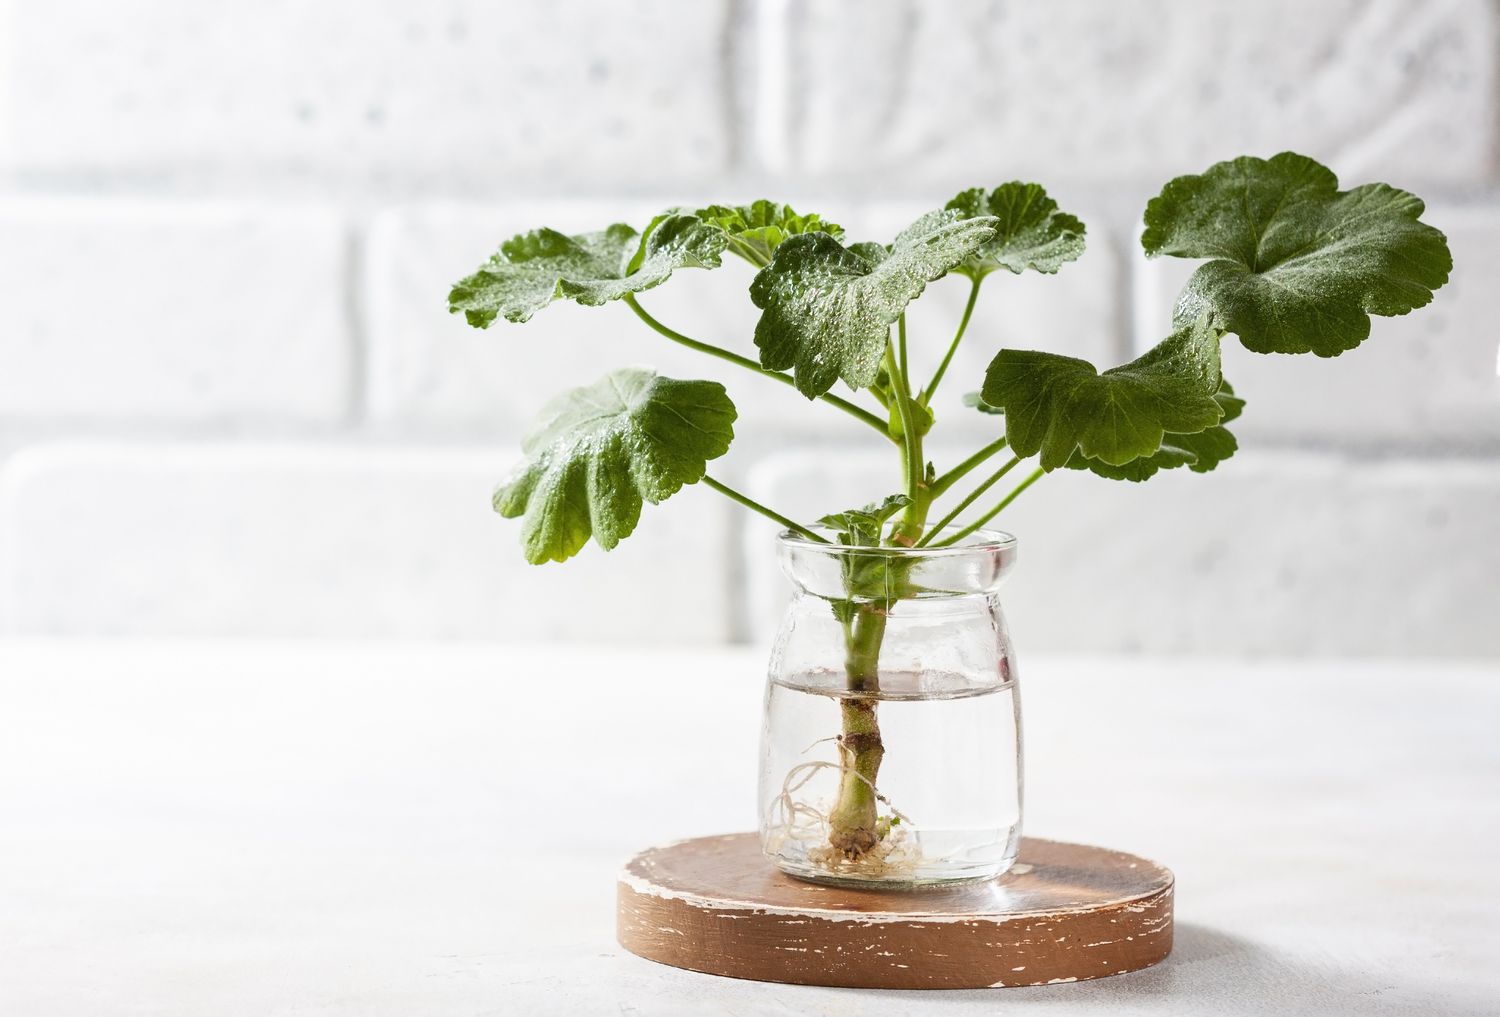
{"x": 232, "y": 402}
{"x": 238, "y": 427}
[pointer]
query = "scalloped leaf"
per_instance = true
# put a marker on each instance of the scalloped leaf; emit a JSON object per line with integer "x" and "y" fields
{"x": 1200, "y": 451}
{"x": 533, "y": 269}
{"x": 1298, "y": 266}
{"x": 1055, "y": 404}
{"x": 1030, "y": 232}
{"x": 757, "y": 229}
{"x": 597, "y": 452}
{"x": 828, "y": 309}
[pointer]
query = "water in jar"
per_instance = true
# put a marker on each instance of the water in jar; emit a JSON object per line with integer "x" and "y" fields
{"x": 948, "y": 785}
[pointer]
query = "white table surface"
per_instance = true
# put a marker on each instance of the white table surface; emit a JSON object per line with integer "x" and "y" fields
{"x": 220, "y": 830}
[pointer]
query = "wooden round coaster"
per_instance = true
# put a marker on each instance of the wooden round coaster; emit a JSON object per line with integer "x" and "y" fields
{"x": 1065, "y": 912}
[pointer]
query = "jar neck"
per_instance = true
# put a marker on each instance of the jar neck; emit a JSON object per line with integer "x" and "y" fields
{"x": 835, "y": 571}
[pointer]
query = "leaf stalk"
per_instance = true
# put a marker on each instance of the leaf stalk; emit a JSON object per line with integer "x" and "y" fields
{"x": 862, "y": 415}
{"x": 992, "y": 513}
{"x": 947, "y": 480}
{"x": 968, "y": 500}
{"x": 769, "y": 513}
{"x": 963, "y": 325}
{"x": 914, "y": 516}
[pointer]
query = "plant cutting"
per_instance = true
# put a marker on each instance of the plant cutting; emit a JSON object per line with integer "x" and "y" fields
{"x": 896, "y": 622}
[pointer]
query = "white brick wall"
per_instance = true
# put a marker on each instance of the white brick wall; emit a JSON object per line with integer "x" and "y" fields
{"x": 1141, "y": 88}
{"x": 453, "y": 93}
{"x": 155, "y": 311}
{"x": 232, "y": 401}
{"x": 247, "y": 540}
{"x": 1271, "y": 553}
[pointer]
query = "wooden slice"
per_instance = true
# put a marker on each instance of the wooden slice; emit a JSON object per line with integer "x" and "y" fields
{"x": 1065, "y": 912}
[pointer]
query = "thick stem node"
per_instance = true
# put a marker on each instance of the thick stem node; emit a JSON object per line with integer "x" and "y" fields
{"x": 854, "y": 828}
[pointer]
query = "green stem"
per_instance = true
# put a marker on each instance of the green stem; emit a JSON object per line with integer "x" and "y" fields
{"x": 914, "y": 517}
{"x": 956, "y": 474}
{"x": 755, "y": 506}
{"x": 992, "y": 513}
{"x": 972, "y": 497}
{"x": 926, "y": 396}
{"x": 734, "y": 358}
{"x": 862, "y": 660}
{"x": 853, "y": 821}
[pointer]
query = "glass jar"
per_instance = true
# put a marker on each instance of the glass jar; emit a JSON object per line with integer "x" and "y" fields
{"x": 891, "y": 741}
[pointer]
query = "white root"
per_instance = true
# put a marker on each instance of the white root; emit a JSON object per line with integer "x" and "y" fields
{"x": 897, "y": 854}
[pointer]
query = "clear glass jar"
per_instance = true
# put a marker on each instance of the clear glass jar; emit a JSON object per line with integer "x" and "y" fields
{"x": 891, "y": 742}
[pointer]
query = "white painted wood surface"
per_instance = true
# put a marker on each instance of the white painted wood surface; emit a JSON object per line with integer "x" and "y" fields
{"x": 230, "y": 830}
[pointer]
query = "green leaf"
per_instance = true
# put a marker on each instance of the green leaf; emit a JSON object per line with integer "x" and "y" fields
{"x": 597, "y": 452}
{"x": 533, "y": 269}
{"x": 757, "y": 229}
{"x": 1200, "y": 451}
{"x": 1031, "y": 232}
{"x": 1297, "y": 265}
{"x": 1055, "y": 404}
{"x": 975, "y": 400}
{"x": 828, "y": 309}
{"x": 862, "y": 527}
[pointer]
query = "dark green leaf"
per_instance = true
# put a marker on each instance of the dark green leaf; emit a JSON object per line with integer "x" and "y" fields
{"x": 757, "y": 229}
{"x": 1031, "y": 232}
{"x": 1055, "y": 404}
{"x": 828, "y": 309}
{"x": 533, "y": 269}
{"x": 1297, "y": 265}
{"x": 871, "y": 251}
{"x": 595, "y": 453}
{"x": 1200, "y": 451}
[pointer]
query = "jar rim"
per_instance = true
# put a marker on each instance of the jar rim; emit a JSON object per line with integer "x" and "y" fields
{"x": 981, "y": 541}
